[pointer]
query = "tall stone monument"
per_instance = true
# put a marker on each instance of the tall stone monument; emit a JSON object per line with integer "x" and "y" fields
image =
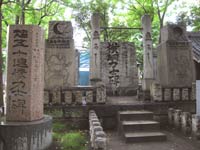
{"x": 119, "y": 68}
{"x": 175, "y": 64}
{"x": 95, "y": 50}
{"x": 25, "y": 128}
{"x": 60, "y": 56}
{"x": 148, "y": 65}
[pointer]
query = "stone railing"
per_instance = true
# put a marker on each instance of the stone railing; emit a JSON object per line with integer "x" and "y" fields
{"x": 159, "y": 93}
{"x": 98, "y": 138}
{"x": 80, "y": 95}
{"x": 187, "y": 122}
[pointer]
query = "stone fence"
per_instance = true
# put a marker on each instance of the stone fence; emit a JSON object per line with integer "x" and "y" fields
{"x": 79, "y": 95}
{"x": 98, "y": 138}
{"x": 159, "y": 93}
{"x": 188, "y": 123}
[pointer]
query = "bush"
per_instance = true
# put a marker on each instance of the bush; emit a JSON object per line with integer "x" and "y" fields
{"x": 73, "y": 141}
{"x": 58, "y": 127}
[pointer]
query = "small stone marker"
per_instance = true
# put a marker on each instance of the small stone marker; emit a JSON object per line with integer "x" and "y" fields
{"x": 25, "y": 83}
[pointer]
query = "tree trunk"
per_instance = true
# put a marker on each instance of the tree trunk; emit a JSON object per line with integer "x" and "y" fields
{"x": 17, "y": 17}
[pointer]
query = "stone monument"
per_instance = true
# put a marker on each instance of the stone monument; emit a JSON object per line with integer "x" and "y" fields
{"x": 95, "y": 50}
{"x": 148, "y": 64}
{"x": 175, "y": 64}
{"x": 60, "y": 58}
{"x": 25, "y": 128}
{"x": 119, "y": 68}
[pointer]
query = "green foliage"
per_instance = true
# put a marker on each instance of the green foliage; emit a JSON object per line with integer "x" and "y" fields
{"x": 55, "y": 113}
{"x": 59, "y": 127}
{"x": 73, "y": 141}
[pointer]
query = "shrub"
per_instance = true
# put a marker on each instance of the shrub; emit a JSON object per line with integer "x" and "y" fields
{"x": 73, "y": 141}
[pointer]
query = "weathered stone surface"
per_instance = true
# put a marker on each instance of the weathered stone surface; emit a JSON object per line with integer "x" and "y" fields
{"x": 25, "y": 82}
{"x": 119, "y": 68}
{"x": 167, "y": 94}
{"x": 177, "y": 118}
{"x": 60, "y": 56}
{"x": 185, "y": 94}
{"x": 78, "y": 96}
{"x": 196, "y": 126}
{"x": 193, "y": 95}
{"x": 89, "y": 97}
{"x": 175, "y": 64}
{"x": 148, "y": 53}
{"x": 176, "y": 94}
{"x": 68, "y": 97}
{"x": 34, "y": 135}
{"x": 95, "y": 75}
{"x": 171, "y": 116}
{"x": 198, "y": 97}
{"x": 156, "y": 92}
{"x": 100, "y": 92}
{"x": 186, "y": 122}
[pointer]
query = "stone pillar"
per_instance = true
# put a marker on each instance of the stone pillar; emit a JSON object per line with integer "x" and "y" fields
{"x": 95, "y": 50}
{"x": 198, "y": 97}
{"x": 25, "y": 83}
{"x": 171, "y": 116}
{"x": 177, "y": 118}
{"x": 25, "y": 127}
{"x": 148, "y": 53}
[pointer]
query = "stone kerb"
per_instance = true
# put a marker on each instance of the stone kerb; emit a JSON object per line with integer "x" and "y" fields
{"x": 98, "y": 138}
{"x": 188, "y": 123}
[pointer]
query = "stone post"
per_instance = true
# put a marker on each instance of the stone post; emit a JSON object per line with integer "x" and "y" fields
{"x": 148, "y": 53}
{"x": 95, "y": 50}
{"x": 25, "y": 127}
{"x": 198, "y": 97}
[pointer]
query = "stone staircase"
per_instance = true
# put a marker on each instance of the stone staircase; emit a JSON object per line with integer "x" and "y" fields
{"x": 139, "y": 126}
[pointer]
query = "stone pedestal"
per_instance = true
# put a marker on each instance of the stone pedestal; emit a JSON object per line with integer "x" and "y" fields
{"x": 35, "y": 135}
{"x": 25, "y": 127}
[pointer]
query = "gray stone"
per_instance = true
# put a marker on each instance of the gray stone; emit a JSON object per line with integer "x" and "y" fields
{"x": 185, "y": 94}
{"x": 177, "y": 118}
{"x": 171, "y": 116}
{"x": 68, "y": 97}
{"x": 119, "y": 68}
{"x": 34, "y": 135}
{"x": 156, "y": 91}
{"x": 148, "y": 53}
{"x": 60, "y": 57}
{"x": 95, "y": 50}
{"x": 176, "y": 94}
{"x": 167, "y": 94}
{"x": 100, "y": 143}
{"x": 193, "y": 95}
{"x": 100, "y": 92}
{"x": 196, "y": 126}
{"x": 89, "y": 97}
{"x": 25, "y": 82}
{"x": 198, "y": 97}
{"x": 175, "y": 64}
{"x": 186, "y": 122}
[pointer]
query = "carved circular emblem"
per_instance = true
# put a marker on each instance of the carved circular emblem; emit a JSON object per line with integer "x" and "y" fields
{"x": 178, "y": 32}
{"x": 61, "y": 28}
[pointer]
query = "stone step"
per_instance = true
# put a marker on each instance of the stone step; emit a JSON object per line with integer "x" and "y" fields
{"x": 140, "y": 125}
{"x": 135, "y": 115}
{"x": 144, "y": 136}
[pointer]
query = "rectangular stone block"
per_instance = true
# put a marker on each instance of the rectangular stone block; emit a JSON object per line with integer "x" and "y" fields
{"x": 185, "y": 94}
{"x": 25, "y": 73}
{"x": 68, "y": 97}
{"x": 193, "y": 95}
{"x": 56, "y": 97}
{"x": 89, "y": 97}
{"x": 177, "y": 118}
{"x": 171, "y": 116}
{"x": 100, "y": 93}
{"x": 186, "y": 123}
{"x": 78, "y": 97}
{"x": 198, "y": 97}
{"x": 156, "y": 92}
{"x": 167, "y": 94}
{"x": 176, "y": 94}
{"x": 196, "y": 126}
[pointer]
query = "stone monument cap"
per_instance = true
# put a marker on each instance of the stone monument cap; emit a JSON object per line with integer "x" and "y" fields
{"x": 60, "y": 29}
{"x": 174, "y": 32}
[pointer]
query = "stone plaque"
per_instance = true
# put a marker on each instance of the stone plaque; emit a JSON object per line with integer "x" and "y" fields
{"x": 119, "y": 68}
{"x": 25, "y": 78}
{"x": 156, "y": 92}
{"x": 68, "y": 97}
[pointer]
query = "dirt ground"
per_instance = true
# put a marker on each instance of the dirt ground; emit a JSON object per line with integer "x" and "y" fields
{"x": 175, "y": 141}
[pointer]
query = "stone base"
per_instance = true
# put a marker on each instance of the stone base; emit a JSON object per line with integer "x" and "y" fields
{"x": 35, "y": 135}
